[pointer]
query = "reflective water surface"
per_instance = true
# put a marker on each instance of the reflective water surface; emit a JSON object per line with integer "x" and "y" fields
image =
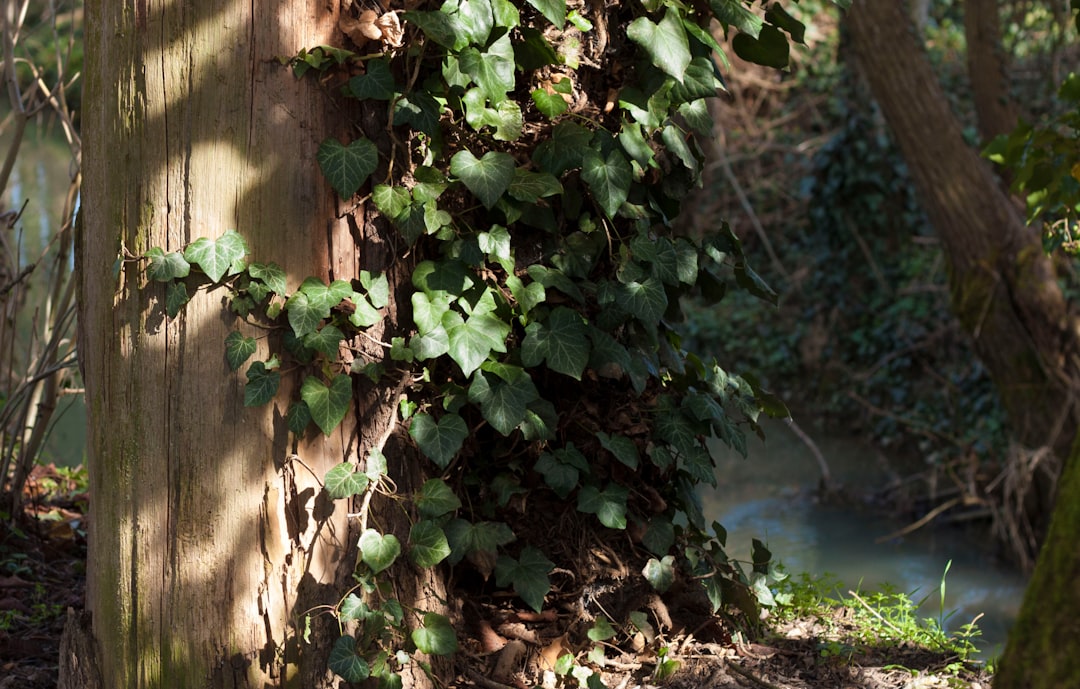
{"x": 770, "y": 496}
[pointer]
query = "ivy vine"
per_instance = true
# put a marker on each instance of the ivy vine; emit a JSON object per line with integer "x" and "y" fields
{"x": 551, "y": 273}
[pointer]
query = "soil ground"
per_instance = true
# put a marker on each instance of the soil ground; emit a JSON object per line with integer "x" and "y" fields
{"x": 42, "y": 567}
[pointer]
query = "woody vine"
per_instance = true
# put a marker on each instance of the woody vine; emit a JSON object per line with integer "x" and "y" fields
{"x": 549, "y": 292}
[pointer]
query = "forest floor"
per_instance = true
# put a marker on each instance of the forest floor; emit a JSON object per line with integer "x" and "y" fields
{"x": 42, "y": 576}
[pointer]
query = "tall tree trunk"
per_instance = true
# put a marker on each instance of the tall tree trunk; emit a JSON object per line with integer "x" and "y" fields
{"x": 988, "y": 69}
{"x": 210, "y": 538}
{"x": 1001, "y": 283}
{"x": 1040, "y": 654}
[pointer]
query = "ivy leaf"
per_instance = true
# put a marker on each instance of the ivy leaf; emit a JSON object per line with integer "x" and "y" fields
{"x": 561, "y": 469}
{"x": 427, "y": 544}
{"x": 645, "y": 300}
{"x": 327, "y": 341}
{"x": 271, "y": 275}
{"x": 440, "y": 27}
{"x": 176, "y": 295}
{"x": 238, "y": 349}
{"x": 419, "y": 110}
{"x": 778, "y": 17}
{"x": 298, "y": 417}
{"x": 601, "y": 630}
{"x": 261, "y": 386}
{"x": 735, "y": 13}
{"x": 609, "y": 505}
{"x": 364, "y": 315}
{"x": 378, "y": 551}
{"x": 165, "y": 267}
{"x": 565, "y": 149}
{"x": 622, "y": 447}
{"x": 562, "y": 341}
{"x": 528, "y": 575}
{"x": 503, "y": 401}
{"x": 377, "y": 288}
{"x": 391, "y": 201}
{"x": 472, "y": 340}
{"x": 609, "y": 179}
{"x": 216, "y": 256}
{"x": 344, "y": 661}
{"x": 540, "y": 422}
{"x": 660, "y": 573}
{"x": 665, "y": 43}
{"x": 493, "y": 70}
{"x": 436, "y": 637}
{"x": 466, "y": 538}
{"x": 530, "y": 187}
{"x": 659, "y": 535}
{"x": 435, "y": 498}
{"x": 344, "y": 481}
{"x": 439, "y": 441}
{"x": 430, "y": 345}
{"x": 551, "y": 105}
{"x": 488, "y": 177}
{"x": 347, "y": 167}
{"x": 769, "y": 49}
{"x": 328, "y": 405}
{"x": 553, "y": 10}
{"x": 375, "y": 84}
{"x": 526, "y": 296}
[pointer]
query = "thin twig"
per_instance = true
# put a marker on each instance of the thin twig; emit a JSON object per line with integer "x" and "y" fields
{"x": 875, "y": 613}
{"x": 750, "y": 676}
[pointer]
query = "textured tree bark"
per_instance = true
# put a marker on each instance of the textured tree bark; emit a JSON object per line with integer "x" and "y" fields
{"x": 1001, "y": 283}
{"x": 1040, "y": 654}
{"x": 211, "y": 539}
{"x": 988, "y": 69}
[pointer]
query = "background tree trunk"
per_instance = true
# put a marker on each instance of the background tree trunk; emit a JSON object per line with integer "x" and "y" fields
{"x": 1002, "y": 284}
{"x": 987, "y": 69}
{"x": 210, "y": 538}
{"x": 1040, "y": 654}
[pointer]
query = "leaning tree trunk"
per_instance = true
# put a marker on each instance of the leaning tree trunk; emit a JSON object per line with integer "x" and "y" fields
{"x": 987, "y": 68}
{"x": 210, "y": 539}
{"x": 1001, "y": 283}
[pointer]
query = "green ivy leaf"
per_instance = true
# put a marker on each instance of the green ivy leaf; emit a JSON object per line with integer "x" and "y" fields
{"x": 440, "y": 27}
{"x": 562, "y": 341}
{"x": 553, "y": 10}
{"x": 298, "y": 417}
{"x": 660, "y": 573}
{"x": 778, "y": 17}
{"x": 328, "y": 405}
{"x": 436, "y": 637}
{"x": 165, "y": 267}
{"x": 377, "y": 83}
{"x": 503, "y": 399}
{"x": 466, "y": 538}
{"x": 565, "y": 149}
{"x": 439, "y": 441}
{"x": 420, "y": 111}
{"x": 601, "y": 630}
{"x": 217, "y": 256}
{"x": 561, "y": 469}
{"x": 665, "y": 43}
{"x": 435, "y": 498}
{"x": 377, "y": 287}
{"x": 238, "y": 349}
{"x": 347, "y": 167}
{"x": 540, "y": 422}
{"x": 391, "y": 201}
{"x": 530, "y": 187}
{"x": 326, "y": 340}
{"x": 659, "y": 536}
{"x": 344, "y": 481}
{"x": 176, "y": 296}
{"x": 551, "y": 105}
{"x": 344, "y": 661}
{"x": 261, "y": 386}
{"x": 430, "y": 345}
{"x": 609, "y": 505}
{"x": 622, "y": 447}
{"x": 378, "y": 551}
{"x": 769, "y": 49}
{"x": 609, "y": 179}
{"x": 364, "y": 315}
{"x": 271, "y": 275}
{"x": 526, "y": 296}
{"x": 488, "y": 177}
{"x": 427, "y": 544}
{"x": 646, "y": 300}
{"x": 735, "y": 13}
{"x": 528, "y": 575}
{"x": 472, "y": 340}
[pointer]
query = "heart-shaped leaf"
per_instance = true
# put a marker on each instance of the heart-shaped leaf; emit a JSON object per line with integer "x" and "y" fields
{"x": 439, "y": 441}
{"x": 553, "y": 10}
{"x": 344, "y": 661}
{"x": 472, "y": 340}
{"x": 466, "y": 538}
{"x": 609, "y": 179}
{"x": 344, "y": 481}
{"x": 436, "y": 637}
{"x": 347, "y": 167}
{"x": 503, "y": 402}
{"x": 375, "y": 84}
{"x": 176, "y": 295}
{"x": 562, "y": 341}
{"x": 164, "y": 267}
{"x": 660, "y": 573}
{"x": 488, "y": 177}
{"x": 238, "y": 349}
{"x": 261, "y": 386}
{"x": 528, "y": 575}
{"x": 609, "y": 505}
{"x": 271, "y": 274}
{"x": 665, "y": 43}
{"x": 427, "y": 544}
{"x": 435, "y": 498}
{"x": 622, "y": 447}
{"x": 328, "y": 405}
{"x": 217, "y": 256}
{"x": 378, "y": 551}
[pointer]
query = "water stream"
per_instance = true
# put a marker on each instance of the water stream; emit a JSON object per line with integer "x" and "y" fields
{"x": 770, "y": 496}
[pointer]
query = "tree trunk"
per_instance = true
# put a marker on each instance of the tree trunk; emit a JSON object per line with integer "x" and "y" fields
{"x": 1040, "y": 654}
{"x": 1001, "y": 283}
{"x": 211, "y": 542}
{"x": 988, "y": 69}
